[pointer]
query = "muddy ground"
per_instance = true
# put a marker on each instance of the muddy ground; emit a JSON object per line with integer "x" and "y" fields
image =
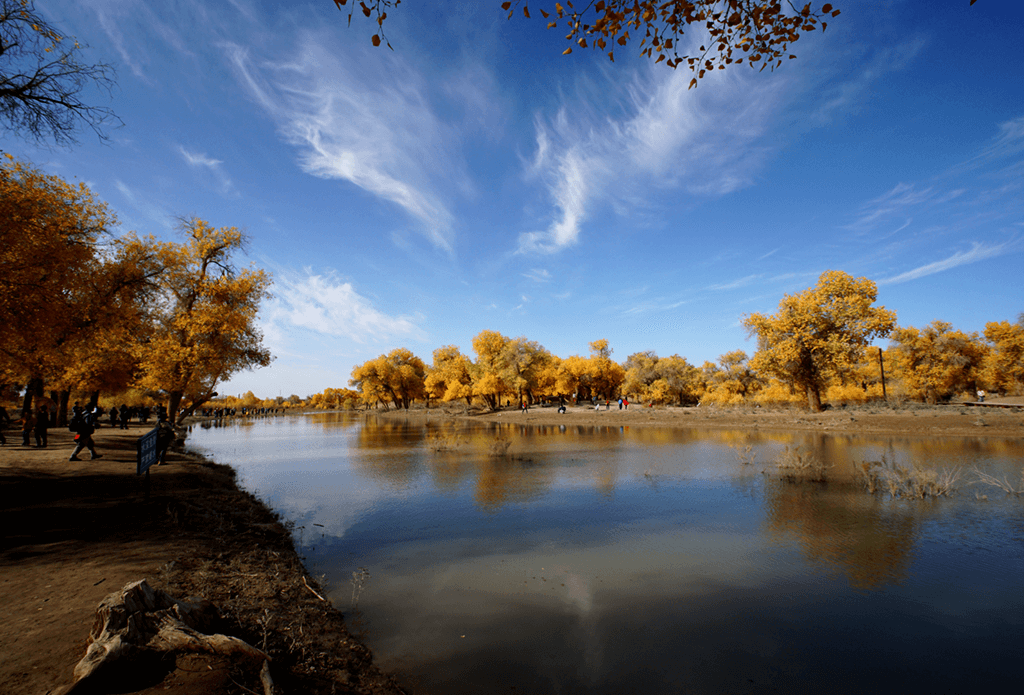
{"x": 75, "y": 531}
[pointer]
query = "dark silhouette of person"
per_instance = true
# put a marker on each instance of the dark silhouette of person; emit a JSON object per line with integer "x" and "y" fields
{"x": 41, "y": 427}
{"x": 5, "y": 420}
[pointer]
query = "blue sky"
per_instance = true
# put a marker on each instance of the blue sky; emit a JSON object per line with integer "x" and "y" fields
{"x": 475, "y": 178}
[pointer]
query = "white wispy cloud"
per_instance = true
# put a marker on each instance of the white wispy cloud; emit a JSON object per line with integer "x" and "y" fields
{"x": 328, "y": 306}
{"x": 200, "y": 160}
{"x": 363, "y": 121}
{"x": 741, "y": 282}
{"x": 538, "y": 275}
{"x": 670, "y": 138}
{"x": 977, "y": 252}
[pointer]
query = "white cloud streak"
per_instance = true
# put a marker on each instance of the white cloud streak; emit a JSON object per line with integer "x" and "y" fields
{"x": 978, "y": 252}
{"x": 198, "y": 160}
{"x": 671, "y": 137}
{"x": 373, "y": 127}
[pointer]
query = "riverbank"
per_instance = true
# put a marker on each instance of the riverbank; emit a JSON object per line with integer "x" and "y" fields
{"x": 75, "y": 532}
{"x": 958, "y": 420}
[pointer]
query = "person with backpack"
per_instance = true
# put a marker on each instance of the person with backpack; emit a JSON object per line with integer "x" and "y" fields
{"x": 83, "y": 422}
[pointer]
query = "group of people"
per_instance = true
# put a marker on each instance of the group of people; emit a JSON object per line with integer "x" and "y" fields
{"x": 84, "y": 422}
{"x": 32, "y": 423}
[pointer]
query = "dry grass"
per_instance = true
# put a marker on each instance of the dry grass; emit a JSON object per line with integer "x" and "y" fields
{"x": 1004, "y": 484}
{"x": 441, "y": 441}
{"x": 796, "y": 465}
{"x": 746, "y": 455}
{"x": 500, "y": 446}
{"x": 909, "y": 482}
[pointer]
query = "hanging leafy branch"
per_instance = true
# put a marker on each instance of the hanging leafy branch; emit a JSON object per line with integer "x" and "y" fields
{"x": 758, "y": 32}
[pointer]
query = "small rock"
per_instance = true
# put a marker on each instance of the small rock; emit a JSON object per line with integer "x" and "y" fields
{"x": 980, "y": 423}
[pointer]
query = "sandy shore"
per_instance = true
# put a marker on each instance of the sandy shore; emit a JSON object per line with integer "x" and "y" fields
{"x": 77, "y": 531}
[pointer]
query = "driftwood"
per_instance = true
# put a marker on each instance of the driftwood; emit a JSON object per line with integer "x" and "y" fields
{"x": 139, "y": 621}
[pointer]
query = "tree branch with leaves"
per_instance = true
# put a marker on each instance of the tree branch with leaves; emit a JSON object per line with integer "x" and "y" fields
{"x": 756, "y": 32}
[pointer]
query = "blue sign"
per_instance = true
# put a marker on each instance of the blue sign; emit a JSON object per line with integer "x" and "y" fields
{"x": 146, "y": 451}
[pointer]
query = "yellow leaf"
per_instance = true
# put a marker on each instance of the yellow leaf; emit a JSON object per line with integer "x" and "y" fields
{"x": 375, "y": 40}
{"x": 567, "y": 51}
{"x": 526, "y": 11}
{"x": 693, "y": 83}
{"x": 505, "y": 5}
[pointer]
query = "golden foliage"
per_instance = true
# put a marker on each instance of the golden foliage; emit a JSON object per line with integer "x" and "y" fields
{"x": 204, "y": 321}
{"x": 819, "y": 334}
{"x": 936, "y": 362}
{"x": 397, "y": 378}
{"x": 1004, "y": 368}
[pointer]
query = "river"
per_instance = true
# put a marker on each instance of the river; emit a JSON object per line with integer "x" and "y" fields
{"x": 483, "y": 558}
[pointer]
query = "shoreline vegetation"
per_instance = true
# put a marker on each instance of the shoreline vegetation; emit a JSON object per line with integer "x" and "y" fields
{"x": 77, "y": 531}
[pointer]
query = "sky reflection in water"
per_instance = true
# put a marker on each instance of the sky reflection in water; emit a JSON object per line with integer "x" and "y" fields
{"x": 617, "y": 559}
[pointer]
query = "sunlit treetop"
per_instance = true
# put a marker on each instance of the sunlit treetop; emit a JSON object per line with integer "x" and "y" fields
{"x": 755, "y": 32}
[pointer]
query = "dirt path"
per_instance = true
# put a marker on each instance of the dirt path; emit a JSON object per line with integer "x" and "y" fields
{"x": 77, "y": 531}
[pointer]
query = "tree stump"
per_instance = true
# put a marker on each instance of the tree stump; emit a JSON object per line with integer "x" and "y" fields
{"x": 139, "y": 623}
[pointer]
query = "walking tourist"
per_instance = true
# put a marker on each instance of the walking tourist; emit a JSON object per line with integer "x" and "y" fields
{"x": 83, "y": 423}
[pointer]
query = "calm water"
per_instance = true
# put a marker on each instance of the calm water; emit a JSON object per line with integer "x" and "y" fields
{"x": 612, "y": 560}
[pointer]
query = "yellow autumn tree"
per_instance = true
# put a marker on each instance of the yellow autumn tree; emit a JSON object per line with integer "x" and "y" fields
{"x": 819, "y": 334}
{"x": 522, "y": 363}
{"x": 733, "y": 381}
{"x": 396, "y": 378}
{"x": 450, "y": 377}
{"x": 758, "y": 33}
{"x": 1004, "y": 368}
{"x": 489, "y": 369}
{"x": 203, "y": 324}
{"x": 936, "y": 362}
{"x": 70, "y": 296}
{"x": 606, "y": 376}
{"x": 329, "y": 399}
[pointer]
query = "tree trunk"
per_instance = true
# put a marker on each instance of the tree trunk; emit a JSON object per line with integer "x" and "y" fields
{"x": 173, "y": 403}
{"x": 813, "y": 398}
{"x": 62, "y": 408}
{"x": 33, "y": 389}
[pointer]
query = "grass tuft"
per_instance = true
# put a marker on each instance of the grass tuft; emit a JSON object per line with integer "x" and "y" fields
{"x": 500, "y": 446}
{"x": 795, "y": 465}
{"x": 1004, "y": 484}
{"x": 909, "y": 482}
{"x": 746, "y": 455}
